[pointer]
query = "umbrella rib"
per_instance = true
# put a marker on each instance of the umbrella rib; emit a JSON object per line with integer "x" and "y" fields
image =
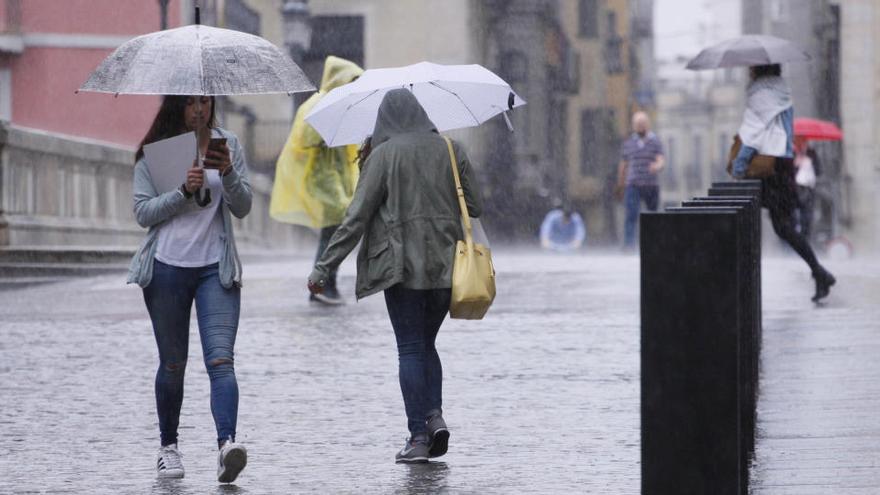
{"x": 459, "y": 99}
{"x": 349, "y": 108}
{"x": 201, "y": 61}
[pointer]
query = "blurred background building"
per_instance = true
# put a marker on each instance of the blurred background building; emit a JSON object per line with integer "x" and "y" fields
{"x": 583, "y": 66}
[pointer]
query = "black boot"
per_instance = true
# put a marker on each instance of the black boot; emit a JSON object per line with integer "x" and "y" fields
{"x": 824, "y": 281}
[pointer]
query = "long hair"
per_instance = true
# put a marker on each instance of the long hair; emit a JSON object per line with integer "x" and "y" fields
{"x": 169, "y": 121}
{"x": 364, "y": 152}
{"x": 759, "y": 71}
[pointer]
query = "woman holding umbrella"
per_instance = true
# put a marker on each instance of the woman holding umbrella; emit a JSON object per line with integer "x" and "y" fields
{"x": 189, "y": 255}
{"x": 767, "y": 129}
{"x": 405, "y": 209}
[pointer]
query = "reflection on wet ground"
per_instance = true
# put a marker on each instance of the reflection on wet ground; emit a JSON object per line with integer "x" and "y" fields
{"x": 541, "y": 397}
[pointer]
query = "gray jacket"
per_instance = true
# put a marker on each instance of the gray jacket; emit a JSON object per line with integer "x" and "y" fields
{"x": 152, "y": 209}
{"x": 405, "y": 207}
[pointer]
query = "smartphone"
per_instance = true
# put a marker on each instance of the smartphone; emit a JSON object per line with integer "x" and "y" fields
{"x": 215, "y": 145}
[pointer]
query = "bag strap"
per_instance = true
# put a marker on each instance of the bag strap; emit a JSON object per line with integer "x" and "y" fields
{"x": 465, "y": 217}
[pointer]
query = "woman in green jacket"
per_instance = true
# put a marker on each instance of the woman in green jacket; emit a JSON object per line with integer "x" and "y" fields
{"x": 406, "y": 210}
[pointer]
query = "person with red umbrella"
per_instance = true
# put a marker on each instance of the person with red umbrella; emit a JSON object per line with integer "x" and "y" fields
{"x": 808, "y": 167}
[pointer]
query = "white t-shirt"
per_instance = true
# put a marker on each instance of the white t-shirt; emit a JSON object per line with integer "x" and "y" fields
{"x": 193, "y": 238}
{"x": 806, "y": 174}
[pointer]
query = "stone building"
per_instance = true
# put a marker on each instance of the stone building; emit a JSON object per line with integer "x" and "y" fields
{"x": 574, "y": 61}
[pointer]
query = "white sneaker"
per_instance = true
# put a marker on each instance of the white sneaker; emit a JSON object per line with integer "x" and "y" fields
{"x": 230, "y": 462}
{"x": 168, "y": 463}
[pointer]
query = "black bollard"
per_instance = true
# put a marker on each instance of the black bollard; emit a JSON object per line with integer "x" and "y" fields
{"x": 692, "y": 293}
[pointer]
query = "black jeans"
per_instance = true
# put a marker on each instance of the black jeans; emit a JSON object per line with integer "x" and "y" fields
{"x": 416, "y": 316}
{"x": 806, "y": 200}
{"x": 779, "y": 196}
{"x": 323, "y": 241}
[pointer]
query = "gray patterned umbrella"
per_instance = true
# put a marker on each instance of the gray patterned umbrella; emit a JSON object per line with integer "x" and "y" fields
{"x": 748, "y": 50}
{"x": 198, "y": 60}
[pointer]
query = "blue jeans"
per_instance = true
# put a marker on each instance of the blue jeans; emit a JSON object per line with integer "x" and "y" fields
{"x": 169, "y": 299}
{"x": 416, "y": 316}
{"x": 632, "y": 200}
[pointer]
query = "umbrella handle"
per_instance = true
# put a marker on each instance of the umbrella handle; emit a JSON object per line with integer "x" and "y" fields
{"x": 203, "y": 200}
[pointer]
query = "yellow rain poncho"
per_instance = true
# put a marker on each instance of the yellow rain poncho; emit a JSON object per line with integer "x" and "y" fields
{"x": 313, "y": 183}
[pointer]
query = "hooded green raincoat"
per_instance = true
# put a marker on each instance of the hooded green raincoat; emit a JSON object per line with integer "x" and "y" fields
{"x": 313, "y": 183}
{"x": 405, "y": 206}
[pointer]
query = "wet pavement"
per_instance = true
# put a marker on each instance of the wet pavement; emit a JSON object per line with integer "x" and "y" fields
{"x": 541, "y": 397}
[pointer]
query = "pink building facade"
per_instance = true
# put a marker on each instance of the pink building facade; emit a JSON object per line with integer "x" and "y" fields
{"x": 47, "y": 50}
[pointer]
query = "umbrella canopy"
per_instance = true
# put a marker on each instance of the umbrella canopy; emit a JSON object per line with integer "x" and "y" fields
{"x": 197, "y": 60}
{"x": 454, "y": 96}
{"x": 817, "y": 130}
{"x": 748, "y": 50}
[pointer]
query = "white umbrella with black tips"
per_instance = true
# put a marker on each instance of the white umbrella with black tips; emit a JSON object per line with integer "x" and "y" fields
{"x": 453, "y": 96}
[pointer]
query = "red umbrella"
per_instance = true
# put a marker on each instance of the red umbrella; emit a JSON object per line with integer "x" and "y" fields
{"x": 817, "y": 130}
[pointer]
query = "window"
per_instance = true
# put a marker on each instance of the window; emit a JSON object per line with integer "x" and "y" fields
{"x": 600, "y": 144}
{"x": 340, "y": 35}
{"x": 588, "y": 18}
{"x": 613, "y": 46}
{"x": 5, "y": 94}
{"x": 515, "y": 67}
{"x": 669, "y": 174}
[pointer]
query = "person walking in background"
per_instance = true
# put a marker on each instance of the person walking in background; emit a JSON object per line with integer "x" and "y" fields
{"x": 189, "y": 255}
{"x": 641, "y": 159}
{"x": 768, "y": 129}
{"x": 314, "y": 184}
{"x": 406, "y": 212}
{"x": 806, "y": 161}
{"x": 563, "y": 230}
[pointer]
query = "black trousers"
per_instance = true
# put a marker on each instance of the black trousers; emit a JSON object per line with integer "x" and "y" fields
{"x": 779, "y": 196}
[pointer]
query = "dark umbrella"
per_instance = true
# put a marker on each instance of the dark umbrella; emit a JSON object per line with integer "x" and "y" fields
{"x": 746, "y": 51}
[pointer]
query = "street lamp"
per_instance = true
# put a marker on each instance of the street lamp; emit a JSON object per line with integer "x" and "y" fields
{"x": 297, "y": 35}
{"x": 297, "y": 28}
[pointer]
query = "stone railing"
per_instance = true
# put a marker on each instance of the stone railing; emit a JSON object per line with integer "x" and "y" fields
{"x": 63, "y": 191}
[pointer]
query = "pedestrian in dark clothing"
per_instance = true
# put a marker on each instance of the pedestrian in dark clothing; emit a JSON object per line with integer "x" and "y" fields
{"x": 808, "y": 168}
{"x": 767, "y": 129}
{"x": 641, "y": 159}
{"x": 405, "y": 208}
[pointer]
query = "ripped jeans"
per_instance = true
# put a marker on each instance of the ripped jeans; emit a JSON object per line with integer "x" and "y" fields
{"x": 169, "y": 299}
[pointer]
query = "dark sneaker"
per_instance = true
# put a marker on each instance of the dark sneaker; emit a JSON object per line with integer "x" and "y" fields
{"x": 415, "y": 450}
{"x": 438, "y": 433}
{"x": 231, "y": 460}
{"x": 824, "y": 281}
{"x": 330, "y": 296}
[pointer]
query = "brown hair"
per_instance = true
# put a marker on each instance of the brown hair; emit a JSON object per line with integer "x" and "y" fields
{"x": 759, "y": 71}
{"x": 364, "y": 152}
{"x": 169, "y": 121}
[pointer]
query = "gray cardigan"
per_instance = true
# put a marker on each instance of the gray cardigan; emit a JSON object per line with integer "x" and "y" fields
{"x": 152, "y": 209}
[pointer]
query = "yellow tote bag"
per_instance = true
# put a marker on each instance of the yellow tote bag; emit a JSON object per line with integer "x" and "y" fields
{"x": 473, "y": 275}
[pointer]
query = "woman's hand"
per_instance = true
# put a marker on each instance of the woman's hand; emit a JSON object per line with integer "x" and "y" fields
{"x": 218, "y": 158}
{"x": 195, "y": 178}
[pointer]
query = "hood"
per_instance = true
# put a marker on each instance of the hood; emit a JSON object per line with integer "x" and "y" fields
{"x": 400, "y": 113}
{"x": 337, "y": 72}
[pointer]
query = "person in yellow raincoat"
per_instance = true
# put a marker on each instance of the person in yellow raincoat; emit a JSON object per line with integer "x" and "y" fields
{"x": 314, "y": 183}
